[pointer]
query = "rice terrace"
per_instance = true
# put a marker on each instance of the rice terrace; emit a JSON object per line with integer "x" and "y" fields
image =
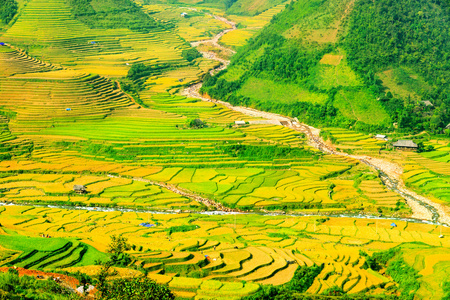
{"x": 224, "y": 149}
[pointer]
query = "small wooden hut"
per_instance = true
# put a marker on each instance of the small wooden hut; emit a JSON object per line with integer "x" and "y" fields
{"x": 80, "y": 189}
{"x": 405, "y": 145}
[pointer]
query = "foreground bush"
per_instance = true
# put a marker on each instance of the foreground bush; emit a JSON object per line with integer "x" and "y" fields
{"x": 136, "y": 289}
{"x": 13, "y": 287}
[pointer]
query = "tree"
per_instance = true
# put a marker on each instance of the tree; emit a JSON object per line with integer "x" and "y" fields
{"x": 8, "y": 9}
{"x": 197, "y": 123}
{"x": 191, "y": 54}
{"x": 118, "y": 246}
{"x": 127, "y": 288}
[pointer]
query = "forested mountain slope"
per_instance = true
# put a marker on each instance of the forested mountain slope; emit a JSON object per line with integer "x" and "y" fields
{"x": 369, "y": 65}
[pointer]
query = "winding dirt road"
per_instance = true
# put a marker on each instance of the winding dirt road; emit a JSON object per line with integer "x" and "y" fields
{"x": 422, "y": 207}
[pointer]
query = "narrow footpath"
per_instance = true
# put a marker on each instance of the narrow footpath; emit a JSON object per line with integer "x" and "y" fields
{"x": 190, "y": 195}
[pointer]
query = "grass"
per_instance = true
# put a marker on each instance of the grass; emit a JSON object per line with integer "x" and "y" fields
{"x": 31, "y": 243}
{"x": 50, "y": 253}
{"x": 360, "y": 105}
{"x": 270, "y": 91}
{"x": 333, "y": 71}
{"x": 403, "y": 82}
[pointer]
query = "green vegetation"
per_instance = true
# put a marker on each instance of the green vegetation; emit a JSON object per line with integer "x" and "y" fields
{"x": 251, "y": 152}
{"x": 103, "y": 14}
{"x": 406, "y": 276}
{"x": 13, "y": 287}
{"x": 304, "y": 278}
{"x": 340, "y": 71}
{"x": 284, "y": 59}
{"x": 136, "y": 289}
{"x": 155, "y": 158}
{"x": 416, "y": 36}
{"x": 402, "y": 273}
{"x": 8, "y": 9}
{"x": 191, "y": 54}
{"x": 196, "y": 124}
{"x": 49, "y": 253}
{"x": 446, "y": 287}
{"x": 182, "y": 228}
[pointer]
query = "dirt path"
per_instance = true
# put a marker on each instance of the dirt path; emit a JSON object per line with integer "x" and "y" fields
{"x": 215, "y": 40}
{"x": 422, "y": 207}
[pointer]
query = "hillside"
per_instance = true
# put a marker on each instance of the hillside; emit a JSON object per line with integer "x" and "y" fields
{"x": 111, "y": 160}
{"x": 337, "y": 63}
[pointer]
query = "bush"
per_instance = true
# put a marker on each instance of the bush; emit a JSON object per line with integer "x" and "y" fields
{"x": 13, "y": 287}
{"x": 136, "y": 289}
{"x": 182, "y": 228}
{"x": 446, "y": 288}
{"x": 106, "y": 12}
{"x": 334, "y": 291}
{"x": 196, "y": 123}
{"x": 304, "y": 278}
{"x": 191, "y": 54}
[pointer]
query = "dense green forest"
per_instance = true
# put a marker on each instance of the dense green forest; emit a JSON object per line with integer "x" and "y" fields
{"x": 407, "y": 38}
{"x": 8, "y": 9}
{"x": 109, "y": 14}
{"x": 386, "y": 34}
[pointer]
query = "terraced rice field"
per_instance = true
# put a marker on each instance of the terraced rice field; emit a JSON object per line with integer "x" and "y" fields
{"x": 429, "y": 172}
{"x": 299, "y": 187}
{"x": 227, "y": 249}
{"x": 110, "y": 126}
{"x": 65, "y": 122}
{"x": 61, "y": 39}
{"x": 46, "y": 252}
{"x": 103, "y": 191}
{"x": 347, "y": 140}
{"x": 197, "y": 26}
{"x": 250, "y": 26}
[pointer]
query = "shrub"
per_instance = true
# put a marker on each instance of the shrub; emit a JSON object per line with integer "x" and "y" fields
{"x": 136, "y": 289}
{"x": 196, "y": 123}
{"x": 13, "y": 287}
{"x": 191, "y": 54}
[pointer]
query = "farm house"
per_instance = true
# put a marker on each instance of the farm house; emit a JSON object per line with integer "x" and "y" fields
{"x": 381, "y": 137}
{"x": 405, "y": 145}
{"x": 80, "y": 189}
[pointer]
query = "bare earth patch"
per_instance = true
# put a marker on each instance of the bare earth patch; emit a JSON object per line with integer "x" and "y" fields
{"x": 331, "y": 59}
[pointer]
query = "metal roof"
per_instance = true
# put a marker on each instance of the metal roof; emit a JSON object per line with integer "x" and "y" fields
{"x": 405, "y": 143}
